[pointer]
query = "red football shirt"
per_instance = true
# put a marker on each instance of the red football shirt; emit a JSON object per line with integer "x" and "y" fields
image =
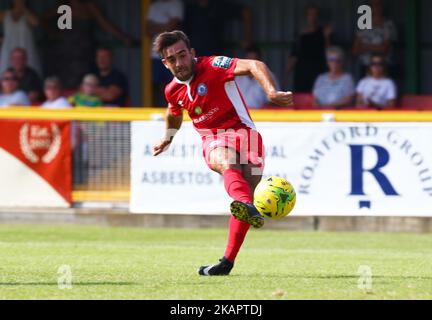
{"x": 211, "y": 96}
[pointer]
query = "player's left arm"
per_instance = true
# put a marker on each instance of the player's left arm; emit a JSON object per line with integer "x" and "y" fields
{"x": 262, "y": 74}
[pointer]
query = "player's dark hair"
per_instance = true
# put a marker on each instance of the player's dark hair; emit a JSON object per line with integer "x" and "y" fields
{"x": 167, "y": 39}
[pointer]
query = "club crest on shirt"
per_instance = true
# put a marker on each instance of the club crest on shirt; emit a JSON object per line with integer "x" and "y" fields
{"x": 198, "y": 110}
{"x": 222, "y": 62}
{"x": 202, "y": 89}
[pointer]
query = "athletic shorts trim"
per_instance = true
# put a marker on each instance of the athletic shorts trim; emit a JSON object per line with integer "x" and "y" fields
{"x": 245, "y": 141}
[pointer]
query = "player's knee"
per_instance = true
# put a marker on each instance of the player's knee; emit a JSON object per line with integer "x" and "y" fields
{"x": 224, "y": 166}
{"x": 223, "y": 159}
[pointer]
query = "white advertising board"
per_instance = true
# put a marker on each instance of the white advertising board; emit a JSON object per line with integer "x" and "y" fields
{"x": 377, "y": 169}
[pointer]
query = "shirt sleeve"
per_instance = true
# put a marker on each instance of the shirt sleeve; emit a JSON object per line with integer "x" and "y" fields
{"x": 391, "y": 92}
{"x": 317, "y": 85}
{"x": 63, "y": 103}
{"x": 173, "y": 108}
{"x": 22, "y": 99}
{"x": 360, "y": 86}
{"x": 223, "y": 67}
{"x": 350, "y": 86}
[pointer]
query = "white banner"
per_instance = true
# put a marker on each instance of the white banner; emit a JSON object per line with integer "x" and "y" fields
{"x": 176, "y": 181}
{"x": 378, "y": 169}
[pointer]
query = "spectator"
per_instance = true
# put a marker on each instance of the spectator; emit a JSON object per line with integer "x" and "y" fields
{"x": 70, "y": 54}
{"x": 11, "y": 95}
{"x": 252, "y": 92}
{"x": 163, "y": 15}
{"x": 308, "y": 54}
{"x": 87, "y": 96}
{"x": 203, "y": 21}
{"x": 334, "y": 89}
{"x": 53, "y": 93}
{"x": 376, "y": 90}
{"x": 379, "y": 39}
{"x": 113, "y": 86}
{"x": 18, "y": 23}
{"x": 28, "y": 78}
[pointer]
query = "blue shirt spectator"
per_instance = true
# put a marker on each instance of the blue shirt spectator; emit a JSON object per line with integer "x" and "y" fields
{"x": 377, "y": 90}
{"x": 334, "y": 89}
{"x": 53, "y": 93}
{"x": 11, "y": 96}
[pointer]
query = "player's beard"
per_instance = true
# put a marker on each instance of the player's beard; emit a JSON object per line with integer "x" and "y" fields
{"x": 186, "y": 73}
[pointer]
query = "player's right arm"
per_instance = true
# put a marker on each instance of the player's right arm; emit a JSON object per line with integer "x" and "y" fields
{"x": 262, "y": 74}
{"x": 173, "y": 124}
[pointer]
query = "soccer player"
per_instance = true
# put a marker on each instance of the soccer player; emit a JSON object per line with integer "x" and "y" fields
{"x": 206, "y": 89}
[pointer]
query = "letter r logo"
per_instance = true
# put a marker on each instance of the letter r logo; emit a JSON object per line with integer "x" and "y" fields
{"x": 358, "y": 170}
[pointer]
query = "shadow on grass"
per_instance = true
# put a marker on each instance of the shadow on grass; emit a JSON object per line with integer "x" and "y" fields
{"x": 239, "y": 276}
{"x": 101, "y": 283}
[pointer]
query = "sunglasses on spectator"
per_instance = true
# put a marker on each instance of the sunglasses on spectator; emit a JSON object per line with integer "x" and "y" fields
{"x": 9, "y": 79}
{"x": 377, "y": 63}
{"x": 334, "y": 59}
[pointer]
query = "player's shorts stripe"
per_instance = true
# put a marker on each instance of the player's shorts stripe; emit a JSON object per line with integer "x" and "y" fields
{"x": 235, "y": 98}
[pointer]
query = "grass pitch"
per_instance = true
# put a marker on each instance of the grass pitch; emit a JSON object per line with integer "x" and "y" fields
{"x": 128, "y": 263}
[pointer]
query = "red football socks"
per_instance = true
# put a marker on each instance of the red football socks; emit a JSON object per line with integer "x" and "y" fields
{"x": 236, "y": 186}
{"x": 239, "y": 190}
{"x": 237, "y": 233}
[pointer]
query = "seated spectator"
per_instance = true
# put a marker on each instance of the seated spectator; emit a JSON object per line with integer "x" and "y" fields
{"x": 113, "y": 86}
{"x": 335, "y": 88}
{"x": 252, "y": 92}
{"x": 53, "y": 93}
{"x": 28, "y": 78}
{"x": 376, "y": 90}
{"x": 11, "y": 95}
{"x": 87, "y": 96}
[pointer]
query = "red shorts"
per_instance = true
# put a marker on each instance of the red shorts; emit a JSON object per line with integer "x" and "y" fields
{"x": 247, "y": 142}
